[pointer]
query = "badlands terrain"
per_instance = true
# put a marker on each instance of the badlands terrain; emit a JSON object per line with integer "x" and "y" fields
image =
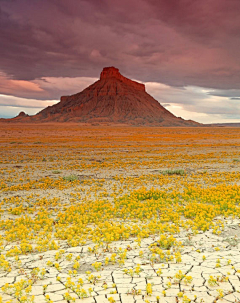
{"x": 113, "y": 99}
{"x": 119, "y": 214}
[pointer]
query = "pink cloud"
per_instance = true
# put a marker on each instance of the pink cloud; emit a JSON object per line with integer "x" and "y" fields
{"x": 44, "y": 88}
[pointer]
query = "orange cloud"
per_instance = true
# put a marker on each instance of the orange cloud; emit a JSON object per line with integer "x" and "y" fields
{"x": 19, "y": 87}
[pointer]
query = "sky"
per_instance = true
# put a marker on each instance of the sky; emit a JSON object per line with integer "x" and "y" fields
{"x": 186, "y": 52}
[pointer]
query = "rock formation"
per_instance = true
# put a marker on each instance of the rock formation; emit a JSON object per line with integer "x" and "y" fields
{"x": 22, "y": 114}
{"x": 112, "y": 99}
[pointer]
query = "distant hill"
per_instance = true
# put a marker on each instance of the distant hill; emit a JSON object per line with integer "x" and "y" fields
{"x": 223, "y": 124}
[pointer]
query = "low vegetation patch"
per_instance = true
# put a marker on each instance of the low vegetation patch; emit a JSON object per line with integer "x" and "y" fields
{"x": 180, "y": 172}
{"x": 70, "y": 178}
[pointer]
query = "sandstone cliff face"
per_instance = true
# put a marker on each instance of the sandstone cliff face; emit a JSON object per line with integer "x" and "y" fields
{"x": 112, "y": 72}
{"x": 112, "y": 99}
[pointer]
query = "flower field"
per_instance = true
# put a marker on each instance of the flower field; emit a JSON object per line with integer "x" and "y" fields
{"x": 119, "y": 214}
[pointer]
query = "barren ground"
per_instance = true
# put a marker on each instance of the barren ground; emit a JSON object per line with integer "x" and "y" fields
{"x": 119, "y": 214}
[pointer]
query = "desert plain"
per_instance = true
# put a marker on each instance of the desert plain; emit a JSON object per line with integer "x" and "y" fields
{"x": 119, "y": 214}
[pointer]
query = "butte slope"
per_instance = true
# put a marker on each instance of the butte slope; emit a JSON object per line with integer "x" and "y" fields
{"x": 112, "y": 99}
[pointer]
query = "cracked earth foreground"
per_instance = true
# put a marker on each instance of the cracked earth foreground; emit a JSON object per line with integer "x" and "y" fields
{"x": 119, "y": 214}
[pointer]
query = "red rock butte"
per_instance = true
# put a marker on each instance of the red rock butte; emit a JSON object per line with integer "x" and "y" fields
{"x": 112, "y": 99}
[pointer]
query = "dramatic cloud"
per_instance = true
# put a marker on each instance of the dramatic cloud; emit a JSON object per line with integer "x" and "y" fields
{"x": 51, "y": 88}
{"x": 52, "y": 48}
{"x": 195, "y": 103}
{"x": 10, "y": 106}
{"x": 27, "y": 103}
{"x": 56, "y": 87}
{"x": 234, "y": 94}
{"x": 20, "y": 88}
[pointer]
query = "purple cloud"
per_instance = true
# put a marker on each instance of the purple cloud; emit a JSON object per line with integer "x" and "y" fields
{"x": 174, "y": 42}
{"x": 53, "y": 48}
